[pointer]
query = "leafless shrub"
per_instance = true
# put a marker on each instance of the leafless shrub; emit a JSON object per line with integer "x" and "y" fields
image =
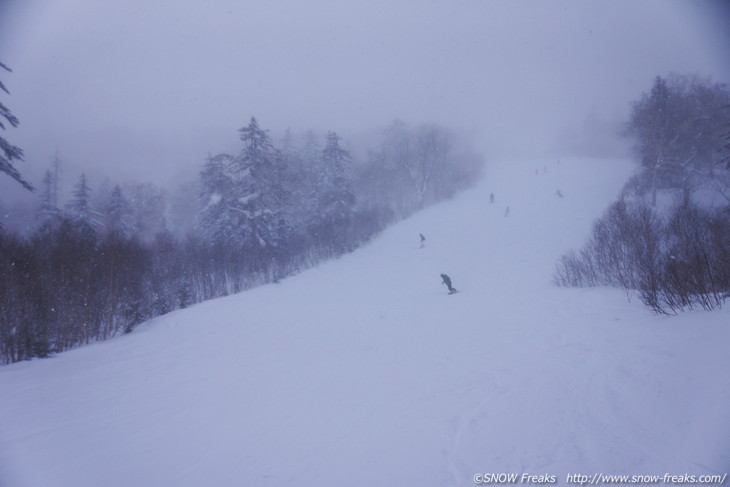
{"x": 678, "y": 262}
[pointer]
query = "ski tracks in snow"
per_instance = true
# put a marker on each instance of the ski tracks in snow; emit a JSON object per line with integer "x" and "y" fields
{"x": 461, "y": 473}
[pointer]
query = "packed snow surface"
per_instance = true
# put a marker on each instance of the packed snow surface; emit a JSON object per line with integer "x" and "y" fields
{"x": 365, "y": 372}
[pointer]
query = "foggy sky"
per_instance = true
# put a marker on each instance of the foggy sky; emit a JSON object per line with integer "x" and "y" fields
{"x": 134, "y": 89}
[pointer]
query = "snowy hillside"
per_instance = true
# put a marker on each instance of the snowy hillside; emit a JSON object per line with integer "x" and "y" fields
{"x": 365, "y": 372}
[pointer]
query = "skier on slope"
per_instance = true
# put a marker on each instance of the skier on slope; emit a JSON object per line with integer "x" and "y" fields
{"x": 423, "y": 241}
{"x": 447, "y": 280}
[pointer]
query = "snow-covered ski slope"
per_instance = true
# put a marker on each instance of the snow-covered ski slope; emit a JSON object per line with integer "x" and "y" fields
{"x": 365, "y": 372}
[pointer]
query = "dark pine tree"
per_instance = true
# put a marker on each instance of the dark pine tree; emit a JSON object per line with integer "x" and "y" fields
{"x": 8, "y": 151}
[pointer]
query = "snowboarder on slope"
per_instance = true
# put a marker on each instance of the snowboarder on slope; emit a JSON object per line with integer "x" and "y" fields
{"x": 447, "y": 280}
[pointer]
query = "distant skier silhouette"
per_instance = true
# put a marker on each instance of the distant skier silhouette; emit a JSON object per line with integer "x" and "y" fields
{"x": 491, "y": 197}
{"x": 447, "y": 280}
{"x": 423, "y": 240}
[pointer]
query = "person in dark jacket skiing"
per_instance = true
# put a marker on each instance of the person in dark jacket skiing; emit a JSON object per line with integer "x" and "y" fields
{"x": 447, "y": 280}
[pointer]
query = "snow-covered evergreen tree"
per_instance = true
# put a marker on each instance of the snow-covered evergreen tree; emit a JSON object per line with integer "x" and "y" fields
{"x": 219, "y": 221}
{"x": 80, "y": 209}
{"x": 243, "y": 197}
{"x": 293, "y": 181}
{"x": 48, "y": 212}
{"x": 262, "y": 197}
{"x": 335, "y": 203}
{"x": 286, "y": 145}
{"x": 118, "y": 213}
{"x": 311, "y": 148}
{"x": 56, "y": 176}
{"x": 310, "y": 176}
{"x": 336, "y": 198}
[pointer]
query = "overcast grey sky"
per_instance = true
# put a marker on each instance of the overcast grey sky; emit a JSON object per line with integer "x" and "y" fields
{"x": 145, "y": 89}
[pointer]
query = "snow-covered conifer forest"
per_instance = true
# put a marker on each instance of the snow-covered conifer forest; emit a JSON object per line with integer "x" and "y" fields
{"x": 108, "y": 260}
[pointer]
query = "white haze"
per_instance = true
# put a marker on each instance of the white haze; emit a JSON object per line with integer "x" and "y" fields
{"x": 139, "y": 90}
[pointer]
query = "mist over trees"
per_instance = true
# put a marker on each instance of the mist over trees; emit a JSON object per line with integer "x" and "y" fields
{"x": 113, "y": 255}
{"x": 417, "y": 166}
{"x": 667, "y": 239}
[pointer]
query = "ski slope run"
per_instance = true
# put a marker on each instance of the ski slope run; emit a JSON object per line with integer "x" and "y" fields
{"x": 365, "y": 372}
